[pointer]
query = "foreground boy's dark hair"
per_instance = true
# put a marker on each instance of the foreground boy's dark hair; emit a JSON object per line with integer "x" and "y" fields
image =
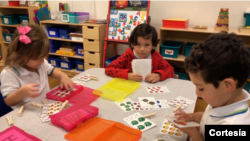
{"x": 221, "y": 56}
{"x": 146, "y": 31}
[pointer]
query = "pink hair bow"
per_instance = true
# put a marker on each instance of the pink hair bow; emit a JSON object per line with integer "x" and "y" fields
{"x": 23, "y": 38}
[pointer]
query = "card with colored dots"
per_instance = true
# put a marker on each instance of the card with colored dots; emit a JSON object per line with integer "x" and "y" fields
{"x": 158, "y": 89}
{"x": 126, "y": 105}
{"x": 148, "y": 102}
{"x": 139, "y": 123}
{"x": 169, "y": 129}
{"x": 180, "y": 100}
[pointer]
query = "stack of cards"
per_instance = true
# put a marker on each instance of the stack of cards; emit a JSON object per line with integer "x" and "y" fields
{"x": 79, "y": 82}
{"x": 180, "y": 100}
{"x": 86, "y": 77}
{"x": 169, "y": 129}
{"x": 142, "y": 67}
{"x": 157, "y": 90}
{"x": 139, "y": 123}
{"x": 182, "y": 124}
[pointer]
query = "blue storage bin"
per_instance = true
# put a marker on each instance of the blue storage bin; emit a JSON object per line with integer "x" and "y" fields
{"x": 24, "y": 20}
{"x": 64, "y": 32}
{"x": 54, "y": 46}
{"x": 54, "y": 61}
{"x": 79, "y": 65}
{"x": 7, "y": 37}
{"x": 53, "y": 32}
{"x": 68, "y": 65}
{"x": 110, "y": 60}
{"x": 180, "y": 75}
{"x": 188, "y": 48}
{"x": 170, "y": 49}
{"x": 10, "y": 19}
{"x": 79, "y": 50}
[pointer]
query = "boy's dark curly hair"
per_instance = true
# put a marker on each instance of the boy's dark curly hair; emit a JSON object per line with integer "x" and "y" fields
{"x": 221, "y": 56}
{"x": 146, "y": 31}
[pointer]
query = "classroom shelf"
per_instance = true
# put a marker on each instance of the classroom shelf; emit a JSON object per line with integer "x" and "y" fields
{"x": 6, "y": 42}
{"x": 59, "y": 23}
{"x": 192, "y": 35}
{"x": 179, "y": 58}
{"x": 17, "y": 7}
{"x": 73, "y": 70}
{"x": 75, "y": 56}
{"x": 14, "y": 25}
{"x": 66, "y": 40}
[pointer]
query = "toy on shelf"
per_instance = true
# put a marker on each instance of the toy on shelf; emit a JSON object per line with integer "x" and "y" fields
{"x": 135, "y": 3}
{"x": 199, "y": 27}
{"x": 175, "y": 23}
{"x": 246, "y": 28}
{"x": 97, "y": 21}
{"x": 62, "y": 94}
{"x": 121, "y": 4}
{"x": 222, "y": 22}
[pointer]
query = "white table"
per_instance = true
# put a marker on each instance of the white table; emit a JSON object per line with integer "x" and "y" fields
{"x": 31, "y": 123}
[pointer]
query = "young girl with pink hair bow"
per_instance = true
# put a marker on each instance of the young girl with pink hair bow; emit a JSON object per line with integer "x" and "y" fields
{"x": 26, "y": 71}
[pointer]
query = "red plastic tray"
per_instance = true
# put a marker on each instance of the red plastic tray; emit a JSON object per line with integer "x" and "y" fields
{"x": 54, "y": 93}
{"x": 73, "y": 116}
{"x": 17, "y": 134}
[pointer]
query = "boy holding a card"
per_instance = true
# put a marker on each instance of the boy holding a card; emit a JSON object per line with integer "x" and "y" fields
{"x": 142, "y": 42}
{"x": 219, "y": 68}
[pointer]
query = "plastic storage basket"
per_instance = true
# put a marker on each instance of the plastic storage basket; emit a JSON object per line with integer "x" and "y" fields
{"x": 10, "y": 19}
{"x": 188, "y": 48}
{"x": 170, "y": 49}
{"x": 7, "y": 37}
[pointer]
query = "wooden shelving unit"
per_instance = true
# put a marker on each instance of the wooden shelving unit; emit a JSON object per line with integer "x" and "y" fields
{"x": 191, "y": 35}
{"x": 93, "y": 35}
{"x": 8, "y": 10}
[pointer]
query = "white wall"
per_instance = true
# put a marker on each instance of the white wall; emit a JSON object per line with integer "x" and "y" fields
{"x": 198, "y": 12}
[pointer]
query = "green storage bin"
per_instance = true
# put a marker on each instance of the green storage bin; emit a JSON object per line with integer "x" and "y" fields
{"x": 24, "y": 20}
{"x": 188, "y": 48}
{"x": 10, "y": 19}
{"x": 170, "y": 49}
{"x": 7, "y": 37}
{"x": 247, "y": 16}
{"x": 181, "y": 75}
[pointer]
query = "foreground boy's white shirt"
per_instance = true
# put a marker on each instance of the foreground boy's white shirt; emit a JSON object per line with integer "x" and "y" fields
{"x": 12, "y": 79}
{"x": 236, "y": 113}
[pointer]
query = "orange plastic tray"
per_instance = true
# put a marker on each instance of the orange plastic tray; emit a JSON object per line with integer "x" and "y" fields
{"x": 98, "y": 129}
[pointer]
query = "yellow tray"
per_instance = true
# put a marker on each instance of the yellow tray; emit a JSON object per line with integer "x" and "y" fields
{"x": 123, "y": 85}
{"x": 66, "y": 52}
{"x": 117, "y": 89}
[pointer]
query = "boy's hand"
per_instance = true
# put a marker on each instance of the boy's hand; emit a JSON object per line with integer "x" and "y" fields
{"x": 153, "y": 77}
{"x": 191, "y": 131}
{"x": 30, "y": 90}
{"x": 135, "y": 77}
{"x": 182, "y": 115}
{"x": 67, "y": 83}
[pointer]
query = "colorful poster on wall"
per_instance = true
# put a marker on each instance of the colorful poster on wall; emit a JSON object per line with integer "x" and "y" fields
{"x": 125, "y": 15}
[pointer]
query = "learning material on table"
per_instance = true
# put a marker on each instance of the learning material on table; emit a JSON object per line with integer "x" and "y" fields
{"x": 157, "y": 89}
{"x": 169, "y": 129}
{"x": 181, "y": 123}
{"x": 180, "y": 100}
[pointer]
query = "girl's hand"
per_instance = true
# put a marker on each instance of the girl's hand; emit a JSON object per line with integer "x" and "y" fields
{"x": 30, "y": 90}
{"x": 135, "y": 77}
{"x": 153, "y": 77}
{"x": 67, "y": 83}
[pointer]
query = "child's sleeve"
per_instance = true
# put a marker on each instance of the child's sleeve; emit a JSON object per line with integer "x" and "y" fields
{"x": 48, "y": 67}
{"x": 118, "y": 67}
{"x": 9, "y": 82}
{"x": 164, "y": 68}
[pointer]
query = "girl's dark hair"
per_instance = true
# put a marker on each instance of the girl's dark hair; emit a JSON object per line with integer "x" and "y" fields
{"x": 146, "y": 31}
{"x": 18, "y": 53}
{"x": 221, "y": 56}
